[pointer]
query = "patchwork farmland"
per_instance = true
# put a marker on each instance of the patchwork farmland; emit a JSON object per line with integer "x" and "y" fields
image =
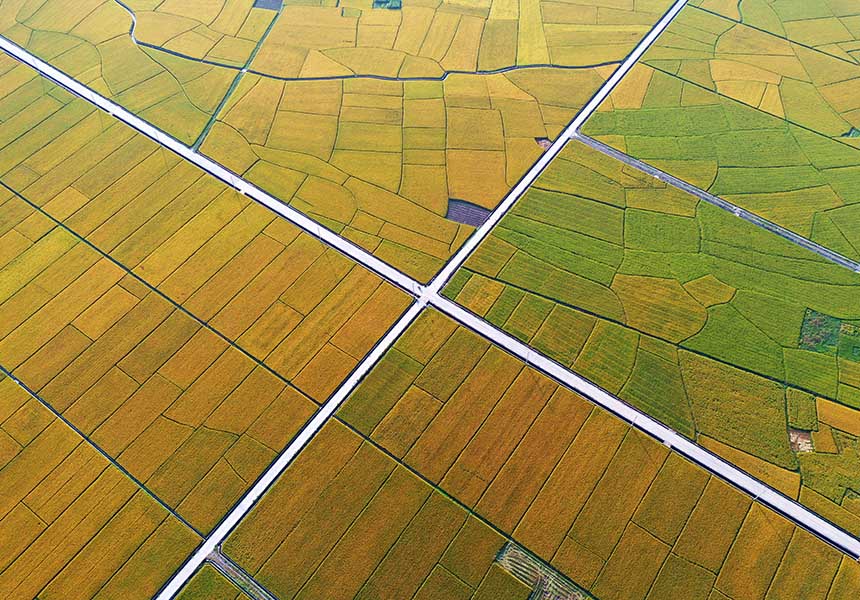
{"x": 480, "y": 299}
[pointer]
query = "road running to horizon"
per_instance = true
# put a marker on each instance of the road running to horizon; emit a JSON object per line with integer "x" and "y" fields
{"x": 429, "y": 296}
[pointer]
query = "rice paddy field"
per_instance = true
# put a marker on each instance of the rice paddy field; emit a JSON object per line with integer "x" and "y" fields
{"x": 720, "y": 329}
{"x": 188, "y": 378}
{"x": 379, "y": 161}
{"x": 475, "y": 444}
{"x": 184, "y": 328}
{"x": 73, "y": 525}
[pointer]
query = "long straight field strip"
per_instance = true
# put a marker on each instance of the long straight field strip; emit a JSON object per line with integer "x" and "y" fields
{"x": 831, "y": 26}
{"x": 416, "y": 38}
{"x": 380, "y": 161}
{"x": 91, "y": 43}
{"x": 795, "y": 177}
{"x": 347, "y": 521}
{"x": 608, "y": 507}
{"x": 190, "y": 416}
{"x": 721, "y": 330}
{"x": 73, "y": 526}
{"x": 139, "y": 354}
{"x": 303, "y": 309}
{"x": 806, "y": 86}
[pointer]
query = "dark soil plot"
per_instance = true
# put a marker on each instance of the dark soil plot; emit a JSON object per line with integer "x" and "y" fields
{"x": 269, "y": 4}
{"x": 466, "y": 213}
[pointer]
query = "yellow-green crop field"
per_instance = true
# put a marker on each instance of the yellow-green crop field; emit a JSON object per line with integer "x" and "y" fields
{"x": 794, "y": 177}
{"x": 377, "y": 161}
{"x": 785, "y": 78}
{"x": 832, "y": 26}
{"x": 72, "y": 525}
{"x": 347, "y": 521}
{"x": 92, "y": 44}
{"x": 209, "y": 584}
{"x": 608, "y": 507}
{"x": 720, "y": 329}
{"x": 220, "y": 31}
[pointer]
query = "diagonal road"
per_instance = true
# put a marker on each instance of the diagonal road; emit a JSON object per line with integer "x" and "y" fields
{"x": 718, "y": 202}
{"x": 429, "y": 296}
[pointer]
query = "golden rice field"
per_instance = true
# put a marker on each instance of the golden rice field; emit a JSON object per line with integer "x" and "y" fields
{"x": 608, "y": 507}
{"x": 72, "y": 525}
{"x": 427, "y": 39}
{"x": 184, "y": 328}
{"x": 347, "y": 521}
{"x": 378, "y": 161}
{"x": 163, "y": 338}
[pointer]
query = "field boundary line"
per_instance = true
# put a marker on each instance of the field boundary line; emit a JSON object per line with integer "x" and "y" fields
{"x": 429, "y": 296}
{"x": 299, "y": 219}
{"x": 87, "y": 440}
{"x": 213, "y": 542}
{"x": 725, "y": 205}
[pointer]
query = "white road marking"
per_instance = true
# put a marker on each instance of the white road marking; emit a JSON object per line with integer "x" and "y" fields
{"x": 286, "y": 457}
{"x": 430, "y": 295}
{"x": 708, "y": 197}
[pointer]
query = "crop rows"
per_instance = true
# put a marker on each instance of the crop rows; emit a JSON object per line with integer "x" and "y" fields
{"x": 830, "y": 26}
{"x": 72, "y": 526}
{"x": 615, "y": 511}
{"x": 377, "y": 161}
{"x": 681, "y": 310}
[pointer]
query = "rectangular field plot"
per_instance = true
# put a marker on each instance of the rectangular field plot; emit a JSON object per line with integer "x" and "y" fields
{"x": 805, "y": 86}
{"x": 419, "y": 39}
{"x": 303, "y": 309}
{"x": 73, "y": 526}
{"x": 180, "y": 408}
{"x": 790, "y": 175}
{"x": 721, "y": 330}
{"x": 92, "y": 44}
{"x": 605, "y": 505}
{"x": 209, "y": 584}
{"x": 347, "y": 521}
{"x": 223, "y": 32}
{"x": 380, "y": 161}
{"x": 829, "y": 26}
